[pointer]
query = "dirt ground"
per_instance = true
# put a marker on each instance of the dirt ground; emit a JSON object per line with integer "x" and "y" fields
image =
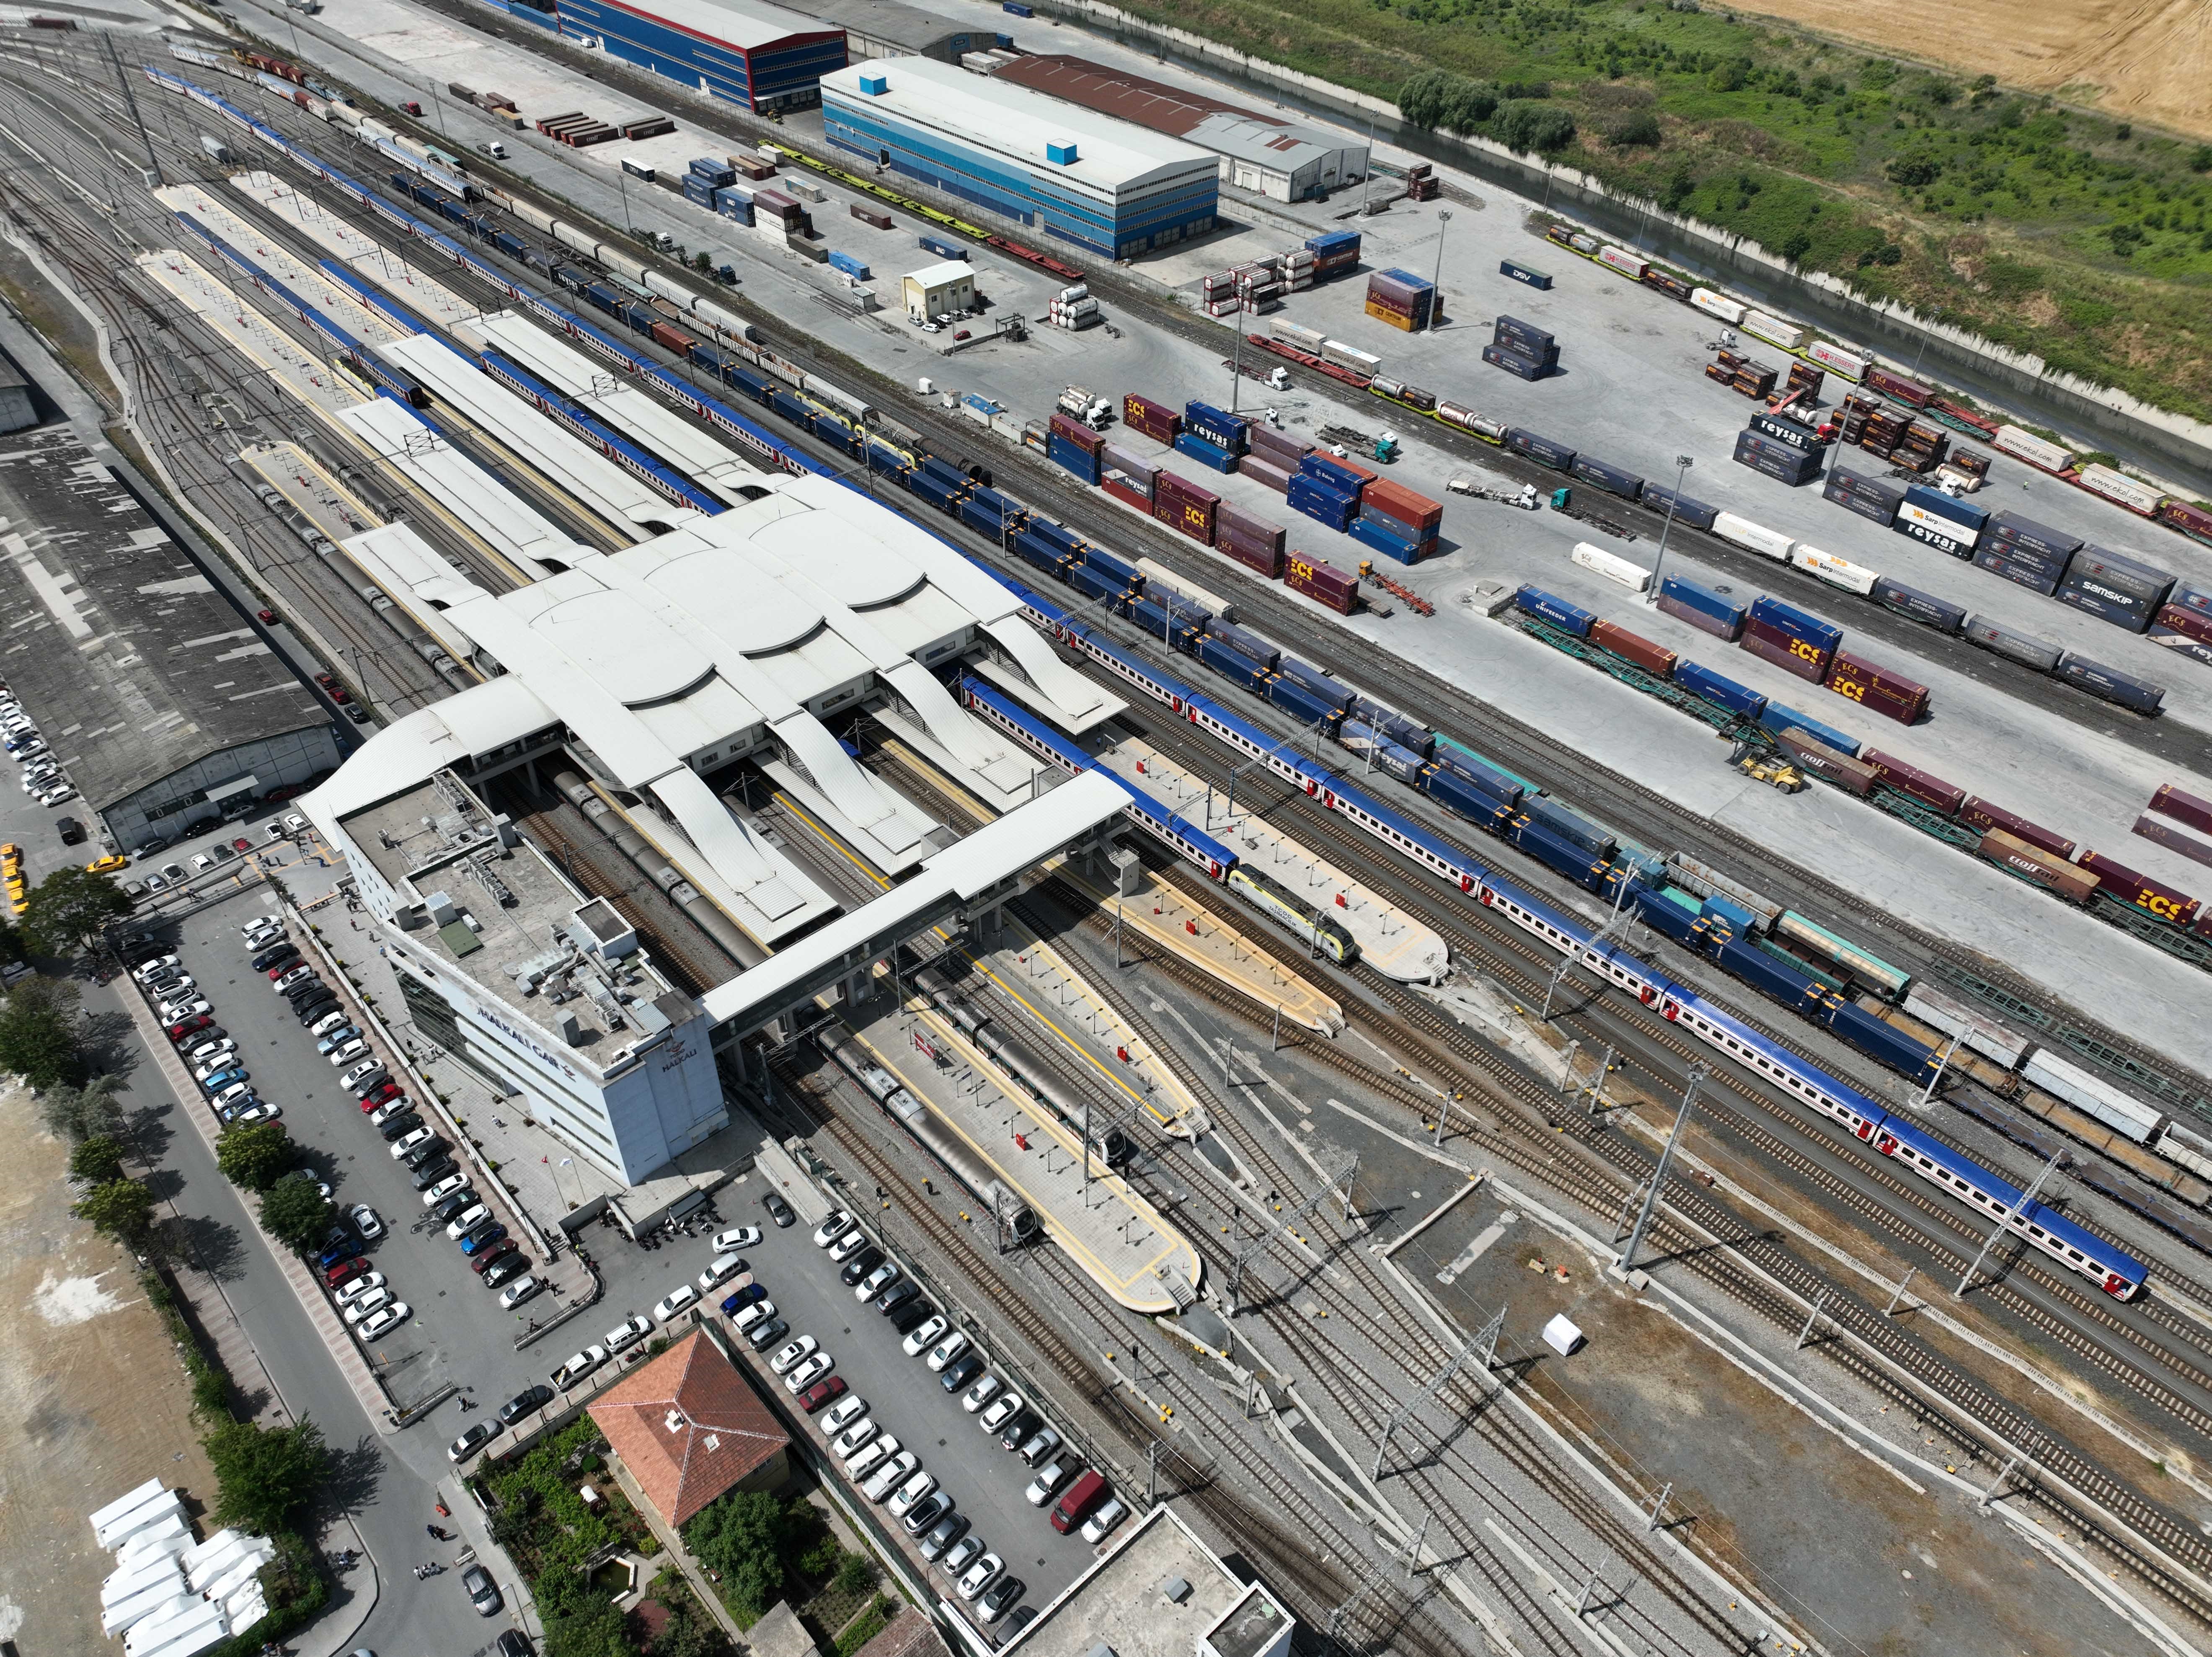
{"x": 2150, "y": 60}
{"x": 92, "y": 1399}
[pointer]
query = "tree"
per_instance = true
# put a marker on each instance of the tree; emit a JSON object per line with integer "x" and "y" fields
{"x": 296, "y": 1214}
{"x": 595, "y": 1628}
{"x": 264, "y": 1475}
{"x": 98, "y": 1161}
{"x": 689, "y": 1632}
{"x": 122, "y": 1209}
{"x": 1914, "y": 172}
{"x": 255, "y": 1157}
{"x": 1681, "y": 185}
{"x": 1637, "y": 127}
{"x": 1524, "y": 125}
{"x": 38, "y": 1037}
{"x": 69, "y": 908}
{"x": 1795, "y": 245}
{"x": 741, "y": 1536}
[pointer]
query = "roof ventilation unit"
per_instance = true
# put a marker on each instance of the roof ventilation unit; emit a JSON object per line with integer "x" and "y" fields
{"x": 1060, "y": 154}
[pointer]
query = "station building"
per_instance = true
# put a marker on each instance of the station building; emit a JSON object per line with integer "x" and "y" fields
{"x": 1066, "y": 171}
{"x": 749, "y": 51}
{"x": 890, "y": 28}
{"x": 1287, "y": 160}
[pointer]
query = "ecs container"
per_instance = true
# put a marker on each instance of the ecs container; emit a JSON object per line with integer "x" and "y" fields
{"x": 1984, "y": 816}
{"x": 2172, "y": 801}
{"x": 1763, "y": 642}
{"x": 1823, "y": 638}
{"x": 1320, "y": 580}
{"x": 1155, "y": 420}
{"x": 1888, "y": 694}
{"x": 2138, "y": 891}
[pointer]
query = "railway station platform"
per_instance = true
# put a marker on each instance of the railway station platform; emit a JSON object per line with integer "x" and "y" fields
{"x": 304, "y": 378}
{"x": 303, "y": 279}
{"x": 1390, "y": 941}
{"x": 370, "y": 260}
{"x": 310, "y": 489}
{"x": 1119, "y": 1240}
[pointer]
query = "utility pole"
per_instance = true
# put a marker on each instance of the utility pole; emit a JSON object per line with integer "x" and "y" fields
{"x": 1659, "y": 1174}
{"x": 1682, "y": 464}
{"x": 1482, "y": 1344}
{"x": 2004, "y": 1225}
{"x": 1436, "y": 297}
{"x": 1259, "y": 1244}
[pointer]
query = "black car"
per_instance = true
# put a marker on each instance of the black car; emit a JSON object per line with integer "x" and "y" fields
{"x": 1000, "y": 1594}
{"x": 896, "y": 1297}
{"x": 422, "y": 1153}
{"x": 779, "y": 1210}
{"x": 430, "y": 1173}
{"x": 911, "y": 1316}
{"x": 512, "y": 1642}
{"x": 300, "y": 988}
{"x": 529, "y": 1398}
{"x": 505, "y": 1268}
{"x": 959, "y": 1373}
{"x": 320, "y": 1007}
{"x": 1024, "y": 1423}
{"x": 275, "y": 953}
{"x": 860, "y": 1264}
{"x": 446, "y": 1207}
{"x": 400, "y": 1127}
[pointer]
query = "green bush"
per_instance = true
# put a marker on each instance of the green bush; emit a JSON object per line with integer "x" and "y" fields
{"x": 98, "y": 1160}
{"x": 1525, "y": 125}
{"x": 121, "y": 1209}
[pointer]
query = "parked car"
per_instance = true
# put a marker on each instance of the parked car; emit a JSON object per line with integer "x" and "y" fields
{"x": 959, "y": 1373}
{"x": 861, "y": 1266}
{"x": 926, "y": 1335}
{"x": 822, "y": 1391}
{"x": 786, "y": 1359}
{"x": 897, "y": 1295}
{"x": 778, "y": 1210}
{"x": 834, "y": 1226}
{"x": 348, "y": 1054}
{"x": 578, "y": 1367}
{"x": 1103, "y": 1519}
{"x": 903, "y": 1499}
{"x": 742, "y": 1297}
{"x": 986, "y": 1388}
{"x": 436, "y": 1175}
{"x": 627, "y": 1333}
{"x": 808, "y": 1373}
{"x": 383, "y": 1323}
{"x": 507, "y": 1268}
{"x": 948, "y": 1529}
{"x": 482, "y": 1238}
{"x": 855, "y": 1436}
{"x": 491, "y": 1253}
{"x": 719, "y": 1270}
{"x": 755, "y": 1309}
{"x": 961, "y": 1554}
{"x": 360, "y": 1285}
{"x": 444, "y": 1188}
{"x": 877, "y": 1281}
{"x": 1049, "y": 1479}
{"x": 467, "y": 1444}
{"x": 367, "y": 1221}
{"x": 979, "y": 1577}
{"x": 1000, "y": 1595}
{"x": 369, "y": 1304}
{"x": 483, "y": 1593}
{"x": 518, "y": 1292}
{"x": 1040, "y": 1444}
{"x": 1018, "y": 1427}
{"x": 675, "y": 1301}
{"x": 737, "y": 1237}
{"x": 852, "y": 1243}
{"x": 529, "y": 1398}
{"x": 765, "y": 1335}
{"x": 945, "y": 1351}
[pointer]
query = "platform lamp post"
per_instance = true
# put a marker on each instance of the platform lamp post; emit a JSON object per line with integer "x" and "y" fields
{"x": 1436, "y": 297}
{"x": 1682, "y": 464}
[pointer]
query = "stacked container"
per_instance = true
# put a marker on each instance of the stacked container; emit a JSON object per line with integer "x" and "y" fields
{"x": 1397, "y": 523}
{"x": 1740, "y": 373}
{"x": 1182, "y": 505}
{"x": 1522, "y": 349}
{"x": 1702, "y": 608}
{"x": 1922, "y": 448}
{"x": 1804, "y": 377}
{"x": 1869, "y": 499}
{"x": 1787, "y": 432}
{"x": 1334, "y": 252}
{"x": 1323, "y": 498}
{"x": 1155, "y": 420}
{"x": 1074, "y": 446}
{"x": 1126, "y": 477}
{"x": 735, "y": 201}
{"x": 1888, "y": 694}
{"x": 1272, "y": 458}
{"x": 1226, "y": 431}
{"x": 2024, "y": 551}
{"x": 1299, "y": 265}
{"x": 2124, "y": 592}
{"x": 777, "y": 207}
{"x": 1931, "y": 517}
{"x": 1778, "y": 460}
{"x": 1252, "y": 541}
{"x": 1072, "y": 307}
{"x": 1320, "y": 580}
{"x": 1216, "y": 292}
{"x": 1790, "y": 638}
{"x": 1401, "y": 299}
{"x": 2185, "y": 623}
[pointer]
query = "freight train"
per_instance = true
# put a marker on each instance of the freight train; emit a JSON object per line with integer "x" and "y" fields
{"x": 2112, "y": 1269}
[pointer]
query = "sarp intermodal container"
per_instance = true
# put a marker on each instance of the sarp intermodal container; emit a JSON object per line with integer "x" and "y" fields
{"x": 1568, "y": 618}
{"x": 1702, "y": 608}
{"x": 1933, "y": 516}
{"x": 1696, "y": 514}
{"x": 1541, "y": 449}
{"x": 1615, "y": 480}
{"x": 1722, "y": 692}
{"x": 1922, "y": 607}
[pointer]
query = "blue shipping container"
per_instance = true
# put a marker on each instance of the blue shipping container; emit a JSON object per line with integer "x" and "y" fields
{"x": 1180, "y": 630}
{"x": 1327, "y": 470}
{"x": 1093, "y": 584}
{"x": 1492, "y": 783}
{"x": 1696, "y": 514}
{"x": 1304, "y": 706}
{"x": 1317, "y": 684}
{"x": 1119, "y": 568}
{"x": 1217, "y": 426}
{"x": 1571, "y": 860}
{"x": 1704, "y": 600}
{"x": 1568, "y": 618}
{"x": 943, "y": 249}
{"x": 1571, "y": 825}
{"x": 1922, "y": 607}
{"x": 1456, "y": 793}
{"x": 1335, "y": 516}
{"x": 1058, "y": 535}
{"x": 1520, "y": 272}
{"x": 1206, "y": 452}
{"x": 1250, "y": 646}
{"x": 1776, "y": 717}
{"x": 1334, "y": 241}
{"x": 1793, "y": 989}
{"x": 1232, "y": 664}
{"x": 1369, "y": 533}
{"x": 1033, "y": 549}
{"x": 1721, "y": 692}
{"x": 1073, "y": 456}
{"x": 1740, "y": 919}
{"x": 1798, "y": 623}
{"x": 1940, "y": 505}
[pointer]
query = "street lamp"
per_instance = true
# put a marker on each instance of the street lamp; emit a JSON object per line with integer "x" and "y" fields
{"x": 1922, "y": 351}
{"x": 1682, "y": 464}
{"x": 1437, "y": 297}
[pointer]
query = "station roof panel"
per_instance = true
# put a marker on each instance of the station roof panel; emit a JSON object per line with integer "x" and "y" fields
{"x": 636, "y": 659}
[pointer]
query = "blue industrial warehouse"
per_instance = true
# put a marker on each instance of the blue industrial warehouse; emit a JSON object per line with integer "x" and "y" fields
{"x": 1069, "y": 173}
{"x": 752, "y": 53}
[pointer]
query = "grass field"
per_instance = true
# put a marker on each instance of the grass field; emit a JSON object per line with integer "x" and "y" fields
{"x": 2070, "y": 235}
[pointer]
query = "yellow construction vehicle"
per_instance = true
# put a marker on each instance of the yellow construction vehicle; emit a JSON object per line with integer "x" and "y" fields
{"x": 1767, "y": 768}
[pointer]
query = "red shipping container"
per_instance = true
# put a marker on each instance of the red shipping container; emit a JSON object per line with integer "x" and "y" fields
{"x": 1235, "y": 517}
{"x": 674, "y": 338}
{"x": 1155, "y": 420}
{"x": 1171, "y": 487}
{"x": 1818, "y": 759}
{"x": 1780, "y": 655}
{"x": 1297, "y": 575}
{"x": 1077, "y": 433}
{"x": 1985, "y": 816}
{"x": 1653, "y": 658}
{"x": 1319, "y": 577}
{"x": 1266, "y": 475}
{"x": 1269, "y": 546}
{"x": 1698, "y": 618}
{"x": 2174, "y": 841}
{"x": 2189, "y": 624}
{"x": 1929, "y": 789}
{"x": 2140, "y": 891}
{"x": 2189, "y": 521}
{"x": 1887, "y": 693}
{"x": 2171, "y": 802}
{"x": 1402, "y": 504}
{"x": 1267, "y": 561}
{"x": 1195, "y": 521}
{"x": 1289, "y": 451}
{"x": 1112, "y": 485}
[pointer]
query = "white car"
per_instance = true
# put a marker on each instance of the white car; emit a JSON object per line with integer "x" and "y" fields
{"x": 675, "y": 1301}
{"x": 980, "y": 1575}
{"x": 175, "y": 983}
{"x": 864, "y": 1461}
{"x": 445, "y": 1188}
{"x": 842, "y": 1414}
{"x": 154, "y": 968}
{"x": 260, "y": 923}
{"x": 221, "y": 1060}
{"x": 893, "y": 1473}
{"x": 361, "y": 1287}
{"x": 294, "y": 823}
{"x": 835, "y": 1226}
{"x": 361, "y": 1075}
{"x": 626, "y": 1334}
{"x": 747, "y": 1316}
{"x": 909, "y": 1493}
{"x": 258, "y": 1111}
{"x": 367, "y": 1221}
{"x": 467, "y": 1220}
{"x": 1049, "y": 1479}
{"x": 368, "y": 1305}
{"x": 791, "y": 1352}
{"x": 848, "y": 1245}
{"x": 946, "y": 1350}
{"x": 518, "y": 1292}
{"x": 724, "y": 1268}
{"x": 208, "y": 1050}
{"x": 961, "y": 1554}
{"x": 737, "y": 1237}
{"x": 848, "y": 1441}
{"x": 1001, "y": 1410}
{"x": 877, "y": 1281}
{"x": 926, "y": 1335}
{"x": 407, "y": 1141}
{"x": 383, "y": 1323}
{"x": 985, "y": 1389}
{"x": 183, "y": 1007}
{"x": 350, "y": 1053}
{"x": 236, "y": 1093}
{"x": 808, "y": 1373}
{"x": 1095, "y": 1529}
{"x": 329, "y": 1021}
{"x": 577, "y": 1368}
{"x": 202, "y": 862}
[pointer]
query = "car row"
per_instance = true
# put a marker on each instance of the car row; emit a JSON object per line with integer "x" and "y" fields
{"x": 43, "y": 778}
{"x": 207, "y": 1050}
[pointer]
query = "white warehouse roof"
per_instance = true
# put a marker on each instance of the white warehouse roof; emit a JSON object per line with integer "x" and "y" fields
{"x": 1111, "y": 155}
{"x": 748, "y": 25}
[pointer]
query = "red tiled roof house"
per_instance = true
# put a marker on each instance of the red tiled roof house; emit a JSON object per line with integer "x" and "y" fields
{"x": 688, "y": 1427}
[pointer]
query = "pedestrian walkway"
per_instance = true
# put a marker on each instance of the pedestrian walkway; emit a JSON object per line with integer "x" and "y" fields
{"x": 302, "y": 280}
{"x": 1389, "y": 940}
{"x": 310, "y": 489}
{"x": 303, "y": 376}
{"x": 369, "y": 259}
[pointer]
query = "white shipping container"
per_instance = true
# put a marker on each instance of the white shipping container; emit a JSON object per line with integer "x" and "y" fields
{"x": 2118, "y": 486}
{"x": 1350, "y": 356}
{"x": 1788, "y": 335}
{"x": 1755, "y": 538}
{"x": 1836, "y": 571}
{"x": 1976, "y": 1032}
{"x": 1717, "y": 305}
{"x": 1628, "y": 264}
{"x": 2122, "y": 1111}
{"x": 1836, "y": 360}
{"x": 2034, "y": 449}
{"x": 1599, "y": 561}
{"x": 2191, "y": 1150}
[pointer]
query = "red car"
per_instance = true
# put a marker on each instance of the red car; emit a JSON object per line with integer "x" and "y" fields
{"x": 267, "y": 615}
{"x": 241, "y": 844}
{"x": 411, "y": 106}
{"x": 183, "y": 1028}
{"x": 821, "y": 1394}
{"x": 382, "y": 1094}
{"x": 346, "y": 1272}
{"x": 499, "y": 1250}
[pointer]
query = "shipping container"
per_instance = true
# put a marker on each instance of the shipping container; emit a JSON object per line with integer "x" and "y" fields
{"x": 1888, "y": 694}
{"x": 1788, "y": 335}
{"x": 2019, "y": 535}
{"x": 1208, "y": 454}
{"x": 1817, "y": 759}
{"x": 1615, "y": 480}
{"x": 1401, "y": 504}
{"x": 1922, "y": 607}
{"x": 1704, "y": 683}
{"x": 1850, "y": 364}
{"x": 1696, "y": 514}
{"x": 2037, "y": 866}
{"x": 1521, "y": 272}
{"x": 1788, "y": 432}
{"x": 1233, "y": 665}
{"x": 1304, "y": 706}
{"x": 1981, "y": 814}
{"x": 1093, "y": 584}
{"x": 2182, "y": 807}
{"x": 1762, "y": 642}
{"x": 2036, "y": 573}
{"x": 1754, "y": 537}
{"x": 2139, "y": 891}
{"x": 1541, "y": 449}
{"x": 1225, "y": 430}
{"x": 1320, "y": 580}
{"x": 1652, "y": 658}
{"x": 2138, "y": 695}
{"x": 2092, "y": 598}
{"x": 1525, "y": 337}
{"x": 1822, "y": 636}
{"x": 1392, "y": 541}
{"x": 1611, "y": 567}
{"x": 2036, "y": 451}
{"x": 2166, "y": 834}
{"x": 1521, "y": 367}
{"x": 2121, "y": 489}
{"x": 1176, "y": 625}
{"x": 1720, "y": 611}
{"x": 1719, "y": 305}
{"x": 1994, "y": 635}
{"x": 2115, "y": 574}
{"x": 2092, "y": 1094}
{"x": 1928, "y": 789}
{"x": 1910, "y": 391}
{"x": 1558, "y": 612}
{"x": 1666, "y": 283}
{"x": 2192, "y": 521}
